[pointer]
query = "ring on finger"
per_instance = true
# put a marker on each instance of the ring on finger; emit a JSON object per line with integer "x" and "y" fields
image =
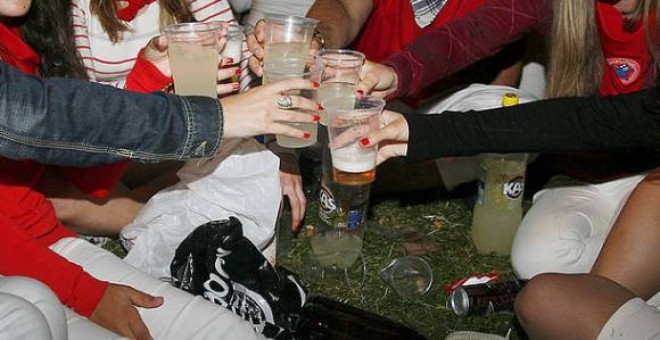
{"x": 285, "y": 102}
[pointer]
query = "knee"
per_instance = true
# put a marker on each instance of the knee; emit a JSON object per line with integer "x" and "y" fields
{"x": 561, "y": 242}
{"x": 535, "y": 299}
{"x": 19, "y": 318}
{"x": 30, "y": 289}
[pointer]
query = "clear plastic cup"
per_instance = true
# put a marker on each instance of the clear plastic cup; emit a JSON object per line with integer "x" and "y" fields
{"x": 348, "y": 122}
{"x": 341, "y": 73}
{"x": 287, "y": 38}
{"x": 193, "y": 51}
{"x": 410, "y": 276}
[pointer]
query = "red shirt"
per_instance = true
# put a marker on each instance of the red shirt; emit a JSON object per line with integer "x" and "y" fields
{"x": 28, "y": 219}
{"x": 454, "y": 46}
{"x": 391, "y": 27}
{"x": 627, "y": 57}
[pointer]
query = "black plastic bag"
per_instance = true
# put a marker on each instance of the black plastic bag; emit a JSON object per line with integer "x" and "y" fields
{"x": 219, "y": 263}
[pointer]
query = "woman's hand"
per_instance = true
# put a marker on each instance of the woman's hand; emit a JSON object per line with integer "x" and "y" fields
{"x": 156, "y": 53}
{"x": 255, "y": 112}
{"x": 392, "y": 138}
{"x": 292, "y": 188}
{"x": 116, "y": 311}
{"x": 255, "y": 44}
{"x": 377, "y": 79}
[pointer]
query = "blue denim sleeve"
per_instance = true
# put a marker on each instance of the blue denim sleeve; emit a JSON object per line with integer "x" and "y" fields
{"x": 70, "y": 122}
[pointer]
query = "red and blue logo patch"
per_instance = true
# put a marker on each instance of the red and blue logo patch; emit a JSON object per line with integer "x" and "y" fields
{"x": 626, "y": 69}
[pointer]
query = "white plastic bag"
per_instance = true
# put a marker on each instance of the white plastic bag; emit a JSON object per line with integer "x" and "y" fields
{"x": 242, "y": 180}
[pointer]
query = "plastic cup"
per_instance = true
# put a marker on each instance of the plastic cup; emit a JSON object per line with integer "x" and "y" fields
{"x": 234, "y": 45}
{"x": 287, "y": 38}
{"x": 193, "y": 51}
{"x": 341, "y": 73}
{"x": 313, "y": 74}
{"x": 353, "y": 164}
{"x": 410, "y": 276}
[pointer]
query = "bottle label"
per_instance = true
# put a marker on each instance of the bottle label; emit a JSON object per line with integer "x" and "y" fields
{"x": 514, "y": 188}
{"x": 355, "y": 217}
{"x": 328, "y": 205}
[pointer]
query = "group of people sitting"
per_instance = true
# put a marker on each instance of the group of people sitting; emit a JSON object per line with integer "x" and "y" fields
{"x": 70, "y": 148}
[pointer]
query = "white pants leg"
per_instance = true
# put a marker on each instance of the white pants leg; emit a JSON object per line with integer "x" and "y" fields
{"x": 566, "y": 227}
{"x": 81, "y": 328}
{"x": 635, "y": 319}
{"x": 182, "y": 315}
{"x": 30, "y": 310}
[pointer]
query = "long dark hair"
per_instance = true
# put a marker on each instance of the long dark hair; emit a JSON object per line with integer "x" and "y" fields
{"x": 48, "y": 29}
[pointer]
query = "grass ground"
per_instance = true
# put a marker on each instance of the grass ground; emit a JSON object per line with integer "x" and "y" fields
{"x": 442, "y": 221}
{"x": 433, "y": 218}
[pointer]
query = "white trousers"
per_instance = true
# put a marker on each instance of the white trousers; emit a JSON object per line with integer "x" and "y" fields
{"x": 29, "y": 310}
{"x": 566, "y": 227}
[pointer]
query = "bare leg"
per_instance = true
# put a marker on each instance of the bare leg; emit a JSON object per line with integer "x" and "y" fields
{"x": 86, "y": 214}
{"x": 568, "y": 306}
{"x": 629, "y": 255}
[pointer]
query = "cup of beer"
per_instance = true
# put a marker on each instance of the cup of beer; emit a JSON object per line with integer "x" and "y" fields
{"x": 341, "y": 73}
{"x": 287, "y": 38}
{"x": 310, "y": 72}
{"x": 193, "y": 51}
{"x": 353, "y": 164}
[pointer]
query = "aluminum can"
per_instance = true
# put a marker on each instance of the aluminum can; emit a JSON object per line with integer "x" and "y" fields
{"x": 485, "y": 298}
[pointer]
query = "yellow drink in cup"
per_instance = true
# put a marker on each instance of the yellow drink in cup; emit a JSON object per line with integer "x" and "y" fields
{"x": 193, "y": 51}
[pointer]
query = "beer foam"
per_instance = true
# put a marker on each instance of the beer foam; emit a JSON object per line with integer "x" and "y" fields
{"x": 354, "y": 160}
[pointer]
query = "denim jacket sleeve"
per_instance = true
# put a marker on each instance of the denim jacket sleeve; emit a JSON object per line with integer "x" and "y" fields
{"x": 70, "y": 122}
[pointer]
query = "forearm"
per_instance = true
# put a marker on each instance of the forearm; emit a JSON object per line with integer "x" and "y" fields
{"x": 340, "y": 20}
{"x": 68, "y": 122}
{"x": 563, "y": 124}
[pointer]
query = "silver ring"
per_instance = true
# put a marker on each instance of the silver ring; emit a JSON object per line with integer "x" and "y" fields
{"x": 285, "y": 103}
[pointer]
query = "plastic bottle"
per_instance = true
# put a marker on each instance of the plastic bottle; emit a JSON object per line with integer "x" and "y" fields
{"x": 343, "y": 209}
{"x": 498, "y": 209}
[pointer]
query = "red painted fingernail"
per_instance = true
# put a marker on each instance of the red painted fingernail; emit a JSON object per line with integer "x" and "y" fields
{"x": 229, "y": 61}
{"x": 359, "y": 93}
{"x": 365, "y": 141}
{"x": 319, "y": 107}
{"x": 316, "y": 118}
{"x": 316, "y": 84}
{"x": 238, "y": 71}
{"x": 306, "y": 135}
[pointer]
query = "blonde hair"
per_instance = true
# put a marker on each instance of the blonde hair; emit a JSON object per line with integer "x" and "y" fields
{"x": 171, "y": 11}
{"x": 575, "y": 66}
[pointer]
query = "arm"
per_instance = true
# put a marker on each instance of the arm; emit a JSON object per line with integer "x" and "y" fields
{"x": 46, "y": 120}
{"x": 341, "y": 20}
{"x": 562, "y": 124}
{"x": 458, "y": 44}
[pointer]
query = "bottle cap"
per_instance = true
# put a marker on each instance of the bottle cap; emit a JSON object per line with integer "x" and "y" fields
{"x": 510, "y": 99}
